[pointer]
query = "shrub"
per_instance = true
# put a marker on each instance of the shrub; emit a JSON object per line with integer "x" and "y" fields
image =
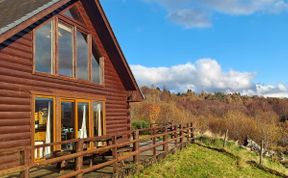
{"x": 140, "y": 124}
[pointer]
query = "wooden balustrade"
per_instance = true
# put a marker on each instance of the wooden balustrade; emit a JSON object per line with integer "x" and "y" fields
{"x": 160, "y": 136}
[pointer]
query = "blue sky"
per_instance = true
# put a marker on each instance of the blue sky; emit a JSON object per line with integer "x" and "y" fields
{"x": 241, "y": 36}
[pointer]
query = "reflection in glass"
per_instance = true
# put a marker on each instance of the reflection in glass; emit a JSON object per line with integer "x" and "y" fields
{"x": 98, "y": 118}
{"x": 67, "y": 123}
{"x": 82, "y": 56}
{"x": 96, "y": 68}
{"x": 43, "y": 118}
{"x": 65, "y": 50}
{"x": 83, "y": 120}
{"x": 43, "y": 49}
{"x": 73, "y": 14}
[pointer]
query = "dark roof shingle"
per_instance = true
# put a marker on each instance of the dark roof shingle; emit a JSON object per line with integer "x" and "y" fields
{"x": 14, "y": 12}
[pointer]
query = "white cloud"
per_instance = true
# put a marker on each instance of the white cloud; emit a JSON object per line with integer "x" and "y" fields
{"x": 198, "y": 13}
{"x": 265, "y": 90}
{"x": 205, "y": 74}
{"x": 190, "y": 18}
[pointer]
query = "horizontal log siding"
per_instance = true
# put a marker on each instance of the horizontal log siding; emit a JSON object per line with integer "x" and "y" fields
{"x": 17, "y": 80}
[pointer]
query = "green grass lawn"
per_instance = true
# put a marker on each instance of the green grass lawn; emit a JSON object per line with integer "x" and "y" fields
{"x": 200, "y": 162}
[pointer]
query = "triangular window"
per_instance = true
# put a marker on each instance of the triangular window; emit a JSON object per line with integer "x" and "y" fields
{"x": 74, "y": 14}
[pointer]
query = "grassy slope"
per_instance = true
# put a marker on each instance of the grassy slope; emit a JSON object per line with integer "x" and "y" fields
{"x": 244, "y": 154}
{"x": 198, "y": 162}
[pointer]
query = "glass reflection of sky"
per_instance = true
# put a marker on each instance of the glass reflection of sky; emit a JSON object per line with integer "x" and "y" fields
{"x": 43, "y": 49}
{"x": 95, "y": 66}
{"x": 82, "y": 56}
{"x": 65, "y": 50}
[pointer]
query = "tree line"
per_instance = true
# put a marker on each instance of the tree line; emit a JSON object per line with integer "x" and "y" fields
{"x": 255, "y": 117}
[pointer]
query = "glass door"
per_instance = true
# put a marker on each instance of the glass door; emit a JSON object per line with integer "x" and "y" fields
{"x": 43, "y": 124}
{"x": 68, "y": 125}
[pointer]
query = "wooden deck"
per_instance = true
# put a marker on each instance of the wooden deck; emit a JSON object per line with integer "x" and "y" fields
{"x": 126, "y": 156}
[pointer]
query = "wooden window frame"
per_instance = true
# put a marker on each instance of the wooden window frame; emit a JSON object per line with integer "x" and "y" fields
{"x": 33, "y": 121}
{"x": 61, "y": 18}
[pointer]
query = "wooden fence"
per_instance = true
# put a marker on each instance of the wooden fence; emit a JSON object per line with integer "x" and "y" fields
{"x": 142, "y": 140}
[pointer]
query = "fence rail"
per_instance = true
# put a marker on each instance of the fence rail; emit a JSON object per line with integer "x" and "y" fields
{"x": 159, "y": 136}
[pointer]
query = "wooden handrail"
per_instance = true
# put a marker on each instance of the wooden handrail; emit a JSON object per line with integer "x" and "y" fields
{"x": 177, "y": 133}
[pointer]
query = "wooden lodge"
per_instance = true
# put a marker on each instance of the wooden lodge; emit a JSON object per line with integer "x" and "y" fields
{"x": 65, "y": 91}
{"x": 63, "y": 77}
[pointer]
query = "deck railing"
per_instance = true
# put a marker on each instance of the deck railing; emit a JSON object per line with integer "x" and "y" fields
{"x": 155, "y": 137}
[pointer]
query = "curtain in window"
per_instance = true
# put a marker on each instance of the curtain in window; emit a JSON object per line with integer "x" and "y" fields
{"x": 48, "y": 131}
{"x": 99, "y": 120}
{"x": 83, "y": 130}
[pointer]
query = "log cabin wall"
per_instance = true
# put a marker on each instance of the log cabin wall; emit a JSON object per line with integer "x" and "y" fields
{"x": 17, "y": 81}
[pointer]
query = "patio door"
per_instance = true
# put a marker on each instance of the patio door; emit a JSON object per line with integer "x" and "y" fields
{"x": 68, "y": 122}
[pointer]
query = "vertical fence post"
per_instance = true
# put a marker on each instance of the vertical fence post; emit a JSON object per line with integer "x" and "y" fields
{"x": 261, "y": 152}
{"x": 79, "y": 160}
{"x": 154, "y": 142}
{"x": 115, "y": 155}
{"x": 187, "y": 133}
{"x": 165, "y": 145}
{"x": 136, "y": 158}
{"x": 23, "y": 161}
{"x": 176, "y": 135}
{"x": 191, "y": 133}
{"x": 181, "y": 136}
{"x": 225, "y": 138}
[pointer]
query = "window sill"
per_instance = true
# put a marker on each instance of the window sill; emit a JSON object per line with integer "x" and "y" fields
{"x": 70, "y": 79}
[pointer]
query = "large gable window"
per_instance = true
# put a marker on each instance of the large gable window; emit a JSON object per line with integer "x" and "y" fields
{"x": 67, "y": 49}
{"x": 44, "y": 49}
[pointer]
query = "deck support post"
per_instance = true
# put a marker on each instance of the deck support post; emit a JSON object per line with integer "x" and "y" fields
{"x": 79, "y": 160}
{"x": 23, "y": 161}
{"x": 115, "y": 155}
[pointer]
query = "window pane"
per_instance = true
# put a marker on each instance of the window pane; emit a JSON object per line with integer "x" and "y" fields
{"x": 73, "y": 14}
{"x": 82, "y": 56}
{"x": 43, "y": 49}
{"x": 96, "y": 68}
{"x": 43, "y": 117}
{"x": 65, "y": 50}
{"x": 83, "y": 120}
{"x": 98, "y": 118}
{"x": 67, "y": 123}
